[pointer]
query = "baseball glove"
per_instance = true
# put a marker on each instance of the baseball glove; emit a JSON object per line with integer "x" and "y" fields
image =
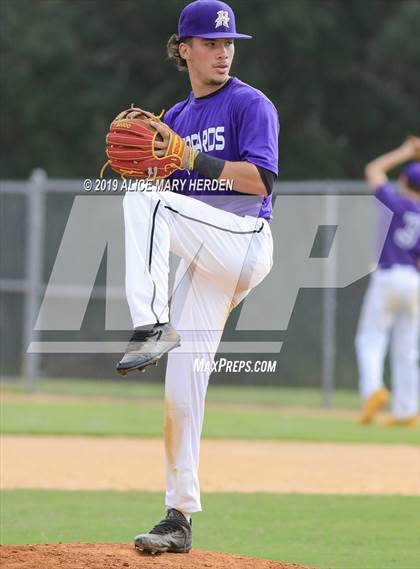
{"x": 414, "y": 142}
{"x": 140, "y": 145}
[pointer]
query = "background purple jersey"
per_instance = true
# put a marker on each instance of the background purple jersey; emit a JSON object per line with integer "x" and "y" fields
{"x": 237, "y": 123}
{"x": 402, "y": 243}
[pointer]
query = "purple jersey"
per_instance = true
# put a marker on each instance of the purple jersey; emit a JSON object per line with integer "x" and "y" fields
{"x": 402, "y": 243}
{"x": 236, "y": 123}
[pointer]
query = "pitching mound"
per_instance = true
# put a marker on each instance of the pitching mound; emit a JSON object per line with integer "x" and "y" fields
{"x": 121, "y": 556}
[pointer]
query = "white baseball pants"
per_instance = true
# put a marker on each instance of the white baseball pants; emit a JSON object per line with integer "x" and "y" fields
{"x": 391, "y": 305}
{"x": 223, "y": 256}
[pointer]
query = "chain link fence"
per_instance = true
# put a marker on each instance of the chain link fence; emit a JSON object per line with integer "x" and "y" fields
{"x": 312, "y": 347}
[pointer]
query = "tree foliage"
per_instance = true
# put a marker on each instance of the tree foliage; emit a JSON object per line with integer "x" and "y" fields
{"x": 343, "y": 74}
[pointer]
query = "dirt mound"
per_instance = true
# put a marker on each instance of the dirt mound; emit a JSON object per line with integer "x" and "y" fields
{"x": 122, "y": 556}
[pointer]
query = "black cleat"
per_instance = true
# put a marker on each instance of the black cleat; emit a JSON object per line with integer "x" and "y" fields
{"x": 173, "y": 535}
{"x": 146, "y": 346}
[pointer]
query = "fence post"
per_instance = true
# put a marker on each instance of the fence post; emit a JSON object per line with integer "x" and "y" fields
{"x": 34, "y": 263}
{"x": 329, "y": 311}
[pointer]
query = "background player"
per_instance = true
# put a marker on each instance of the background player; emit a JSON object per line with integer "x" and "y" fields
{"x": 392, "y": 299}
{"x": 225, "y": 248}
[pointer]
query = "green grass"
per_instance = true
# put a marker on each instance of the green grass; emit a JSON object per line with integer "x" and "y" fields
{"x": 146, "y": 419}
{"x": 130, "y": 389}
{"x": 135, "y": 409}
{"x": 334, "y": 532}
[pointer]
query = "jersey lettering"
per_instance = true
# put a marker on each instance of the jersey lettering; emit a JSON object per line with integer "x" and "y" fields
{"x": 195, "y": 142}
{"x": 220, "y": 138}
{"x": 205, "y": 140}
{"x": 406, "y": 237}
{"x": 210, "y": 142}
{"x": 212, "y": 138}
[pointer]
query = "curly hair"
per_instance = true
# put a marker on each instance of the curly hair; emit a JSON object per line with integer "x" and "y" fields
{"x": 172, "y": 49}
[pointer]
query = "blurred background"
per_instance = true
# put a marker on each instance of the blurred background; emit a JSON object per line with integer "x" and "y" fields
{"x": 342, "y": 75}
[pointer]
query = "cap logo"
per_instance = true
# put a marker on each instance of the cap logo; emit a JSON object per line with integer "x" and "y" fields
{"x": 222, "y": 19}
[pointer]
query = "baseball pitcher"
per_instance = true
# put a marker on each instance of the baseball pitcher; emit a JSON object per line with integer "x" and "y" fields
{"x": 224, "y": 131}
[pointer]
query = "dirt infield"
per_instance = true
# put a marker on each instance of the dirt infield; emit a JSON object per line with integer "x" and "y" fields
{"x": 89, "y": 463}
{"x": 109, "y": 463}
{"x": 120, "y": 556}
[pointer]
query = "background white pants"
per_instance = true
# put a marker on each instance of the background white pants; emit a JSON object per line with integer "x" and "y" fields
{"x": 391, "y": 305}
{"x": 223, "y": 256}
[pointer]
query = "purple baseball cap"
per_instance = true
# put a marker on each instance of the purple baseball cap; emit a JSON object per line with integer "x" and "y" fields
{"x": 208, "y": 19}
{"x": 411, "y": 173}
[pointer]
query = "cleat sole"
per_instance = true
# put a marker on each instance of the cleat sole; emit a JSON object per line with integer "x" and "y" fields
{"x": 153, "y": 362}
